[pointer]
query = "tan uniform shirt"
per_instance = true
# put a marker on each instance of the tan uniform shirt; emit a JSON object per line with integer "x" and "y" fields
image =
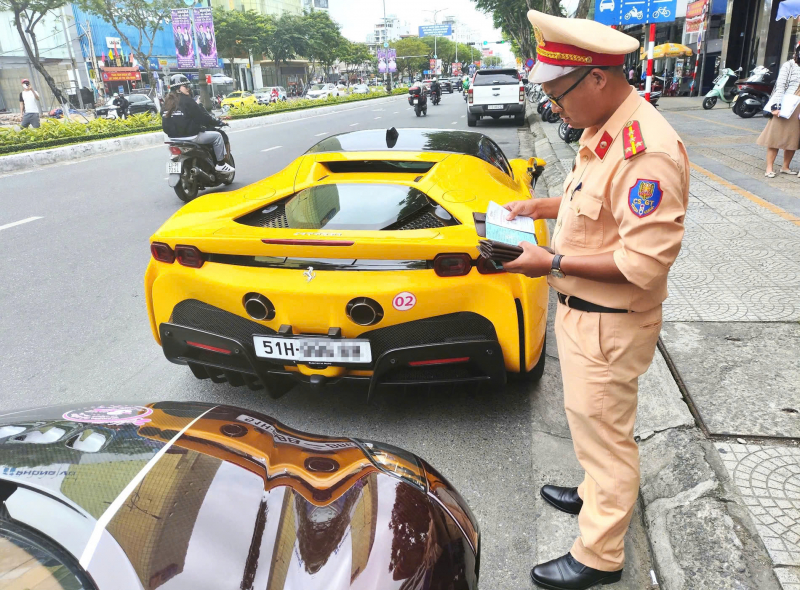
{"x": 632, "y": 207}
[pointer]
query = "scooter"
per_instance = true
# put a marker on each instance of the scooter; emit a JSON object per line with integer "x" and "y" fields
{"x": 753, "y": 93}
{"x": 569, "y": 133}
{"x": 724, "y": 88}
{"x": 191, "y": 166}
{"x": 548, "y": 114}
{"x": 544, "y": 100}
{"x": 418, "y": 100}
{"x": 436, "y": 98}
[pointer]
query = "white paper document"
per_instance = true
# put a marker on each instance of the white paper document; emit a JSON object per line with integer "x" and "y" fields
{"x": 497, "y": 215}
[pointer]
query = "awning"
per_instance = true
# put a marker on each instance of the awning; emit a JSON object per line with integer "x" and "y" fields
{"x": 788, "y": 9}
{"x": 120, "y": 74}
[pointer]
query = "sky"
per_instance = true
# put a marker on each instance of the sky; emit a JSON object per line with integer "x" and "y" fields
{"x": 358, "y": 18}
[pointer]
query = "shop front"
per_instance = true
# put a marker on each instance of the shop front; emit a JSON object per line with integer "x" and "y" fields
{"x": 120, "y": 80}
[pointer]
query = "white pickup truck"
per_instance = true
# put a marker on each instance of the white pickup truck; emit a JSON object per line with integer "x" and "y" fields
{"x": 495, "y": 94}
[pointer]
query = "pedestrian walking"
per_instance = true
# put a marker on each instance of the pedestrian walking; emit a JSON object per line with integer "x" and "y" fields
{"x": 619, "y": 229}
{"x": 632, "y": 75}
{"x": 782, "y": 133}
{"x": 29, "y": 105}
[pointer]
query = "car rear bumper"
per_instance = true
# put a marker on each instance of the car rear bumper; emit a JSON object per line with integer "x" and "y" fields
{"x": 219, "y": 345}
{"x": 508, "y": 109}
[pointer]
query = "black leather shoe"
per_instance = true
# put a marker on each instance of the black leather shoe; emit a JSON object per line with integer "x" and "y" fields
{"x": 565, "y": 499}
{"x": 566, "y": 573}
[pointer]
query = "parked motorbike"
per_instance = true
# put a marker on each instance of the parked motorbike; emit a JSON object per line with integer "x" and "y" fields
{"x": 724, "y": 88}
{"x": 654, "y": 96}
{"x": 548, "y": 114}
{"x": 752, "y": 94}
{"x": 191, "y": 166}
{"x": 418, "y": 100}
{"x": 568, "y": 133}
{"x": 544, "y": 100}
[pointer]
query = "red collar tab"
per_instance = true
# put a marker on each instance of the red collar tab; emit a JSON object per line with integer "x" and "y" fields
{"x": 602, "y": 146}
{"x": 562, "y": 54}
{"x": 632, "y": 142}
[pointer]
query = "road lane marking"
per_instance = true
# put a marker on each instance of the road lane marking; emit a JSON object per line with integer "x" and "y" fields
{"x": 111, "y": 511}
{"x": 394, "y": 113}
{"x": 462, "y": 116}
{"x": 323, "y": 133}
{"x": 455, "y": 122}
{"x": 353, "y": 125}
{"x": 377, "y": 117}
{"x": 27, "y": 220}
{"x": 747, "y": 195}
{"x": 272, "y": 148}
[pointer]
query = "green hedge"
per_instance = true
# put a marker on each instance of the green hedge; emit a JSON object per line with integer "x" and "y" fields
{"x": 56, "y": 133}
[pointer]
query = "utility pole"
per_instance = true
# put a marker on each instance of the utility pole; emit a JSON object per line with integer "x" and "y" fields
{"x": 385, "y": 47}
{"x": 72, "y": 59}
{"x": 435, "y": 36}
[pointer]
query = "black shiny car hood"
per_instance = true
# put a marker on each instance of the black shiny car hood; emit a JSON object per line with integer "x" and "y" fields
{"x": 189, "y": 495}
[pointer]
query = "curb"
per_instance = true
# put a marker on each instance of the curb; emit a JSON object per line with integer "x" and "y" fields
{"x": 79, "y": 151}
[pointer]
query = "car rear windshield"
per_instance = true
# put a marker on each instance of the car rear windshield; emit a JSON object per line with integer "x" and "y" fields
{"x": 496, "y": 77}
{"x": 346, "y": 206}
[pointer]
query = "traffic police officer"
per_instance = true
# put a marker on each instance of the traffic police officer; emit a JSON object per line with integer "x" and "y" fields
{"x": 619, "y": 229}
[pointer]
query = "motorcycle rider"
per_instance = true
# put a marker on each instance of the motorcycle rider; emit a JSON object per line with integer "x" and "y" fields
{"x": 436, "y": 89}
{"x": 185, "y": 119}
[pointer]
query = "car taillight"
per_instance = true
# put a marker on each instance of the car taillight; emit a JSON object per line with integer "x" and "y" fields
{"x": 189, "y": 256}
{"x": 175, "y": 150}
{"x": 487, "y": 267}
{"x": 452, "y": 265}
{"x": 469, "y": 94}
{"x": 522, "y": 94}
{"x": 162, "y": 252}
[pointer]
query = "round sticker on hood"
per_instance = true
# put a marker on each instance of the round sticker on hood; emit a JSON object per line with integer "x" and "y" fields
{"x": 110, "y": 414}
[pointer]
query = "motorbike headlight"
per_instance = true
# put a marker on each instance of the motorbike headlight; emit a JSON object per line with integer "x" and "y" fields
{"x": 394, "y": 461}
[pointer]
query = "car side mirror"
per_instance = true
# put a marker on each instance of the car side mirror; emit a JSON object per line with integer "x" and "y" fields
{"x": 536, "y": 167}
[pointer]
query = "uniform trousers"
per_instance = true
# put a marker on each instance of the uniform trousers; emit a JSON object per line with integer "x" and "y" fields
{"x": 602, "y": 356}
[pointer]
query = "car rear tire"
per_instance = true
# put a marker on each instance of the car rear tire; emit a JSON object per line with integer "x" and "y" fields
{"x": 520, "y": 119}
{"x": 536, "y": 373}
{"x": 472, "y": 120}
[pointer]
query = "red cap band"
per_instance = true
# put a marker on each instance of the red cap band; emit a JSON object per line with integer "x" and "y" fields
{"x": 561, "y": 54}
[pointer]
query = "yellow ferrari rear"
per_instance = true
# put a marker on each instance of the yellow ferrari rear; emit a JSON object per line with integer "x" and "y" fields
{"x": 357, "y": 262}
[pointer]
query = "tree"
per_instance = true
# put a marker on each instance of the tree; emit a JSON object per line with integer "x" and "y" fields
{"x": 28, "y": 14}
{"x": 237, "y": 33}
{"x": 146, "y": 16}
{"x": 492, "y": 60}
{"x": 283, "y": 39}
{"x": 324, "y": 39}
{"x": 413, "y": 55}
{"x": 510, "y": 16}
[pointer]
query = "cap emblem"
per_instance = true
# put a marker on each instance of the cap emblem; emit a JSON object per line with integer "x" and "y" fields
{"x": 537, "y": 33}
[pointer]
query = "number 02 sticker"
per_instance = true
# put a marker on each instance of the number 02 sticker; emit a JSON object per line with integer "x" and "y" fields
{"x": 404, "y": 301}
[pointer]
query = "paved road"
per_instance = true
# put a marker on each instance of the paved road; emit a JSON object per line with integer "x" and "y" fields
{"x": 73, "y": 323}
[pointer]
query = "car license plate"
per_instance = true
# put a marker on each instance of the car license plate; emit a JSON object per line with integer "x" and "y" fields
{"x": 313, "y": 350}
{"x": 495, "y": 107}
{"x": 174, "y": 167}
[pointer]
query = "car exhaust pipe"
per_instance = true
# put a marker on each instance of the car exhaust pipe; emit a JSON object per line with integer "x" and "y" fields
{"x": 258, "y": 307}
{"x": 364, "y": 311}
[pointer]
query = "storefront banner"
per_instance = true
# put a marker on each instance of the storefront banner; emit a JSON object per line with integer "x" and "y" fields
{"x": 184, "y": 37}
{"x": 391, "y": 60}
{"x": 206, "y": 42}
{"x": 125, "y": 74}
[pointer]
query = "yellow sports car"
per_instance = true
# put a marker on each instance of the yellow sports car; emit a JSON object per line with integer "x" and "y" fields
{"x": 357, "y": 262}
{"x": 237, "y": 99}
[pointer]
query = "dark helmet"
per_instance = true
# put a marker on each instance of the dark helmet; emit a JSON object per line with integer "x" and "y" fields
{"x": 177, "y": 81}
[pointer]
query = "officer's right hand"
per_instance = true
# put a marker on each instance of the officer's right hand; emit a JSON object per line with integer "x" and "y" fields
{"x": 776, "y": 112}
{"x": 525, "y": 208}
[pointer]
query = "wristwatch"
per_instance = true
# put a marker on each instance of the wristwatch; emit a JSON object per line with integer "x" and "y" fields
{"x": 555, "y": 269}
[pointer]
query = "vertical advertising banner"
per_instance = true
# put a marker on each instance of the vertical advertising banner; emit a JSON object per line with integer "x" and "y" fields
{"x": 184, "y": 37}
{"x": 392, "y": 60}
{"x": 206, "y": 42}
{"x": 382, "y": 60}
{"x": 456, "y": 68}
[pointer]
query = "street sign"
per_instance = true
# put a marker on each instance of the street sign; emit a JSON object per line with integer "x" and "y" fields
{"x": 436, "y": 30}
{"x": 634, "y": 12}
{"x": 385, "y": 44}
{"x": 485, "y": 42}
{"x": 529, "y": 63}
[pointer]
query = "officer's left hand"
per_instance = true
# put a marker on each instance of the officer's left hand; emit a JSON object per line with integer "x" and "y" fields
{"x": 534, "y": 261}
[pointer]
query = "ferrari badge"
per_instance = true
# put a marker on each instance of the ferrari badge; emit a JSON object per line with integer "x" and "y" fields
{"x": 632, "y": 140}
{"x": 644, "y": 197}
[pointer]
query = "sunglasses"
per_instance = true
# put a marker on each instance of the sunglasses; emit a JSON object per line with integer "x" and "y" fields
{"x": 557, "y": 99}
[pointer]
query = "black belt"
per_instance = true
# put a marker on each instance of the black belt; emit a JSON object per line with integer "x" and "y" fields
{"x": 582, "y": 305}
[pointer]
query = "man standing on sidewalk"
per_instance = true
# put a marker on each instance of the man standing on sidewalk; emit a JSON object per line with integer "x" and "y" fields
{"x": 619, "y": 229}
{"x": 29, "y": 105}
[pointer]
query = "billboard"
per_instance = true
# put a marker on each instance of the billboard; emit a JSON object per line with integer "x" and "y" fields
{"x": 184, "y": 37}
{"x": 391, "y": 60}
{"x": 455, "y": 68}
{"x": 436, "y": 30}
{"x": 634, "y": 12}
{"x": 206, "y": 42}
